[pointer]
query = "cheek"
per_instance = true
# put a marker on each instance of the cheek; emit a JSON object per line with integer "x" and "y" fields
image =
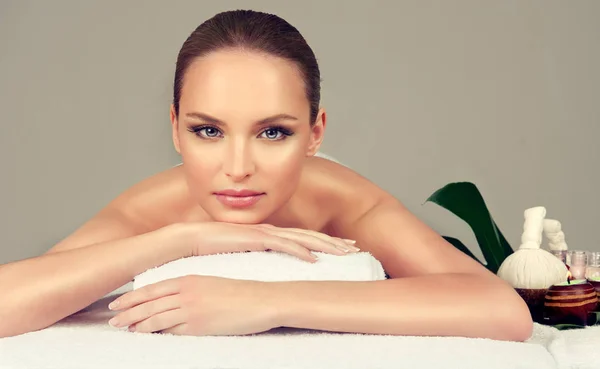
{"x": 281, "y": 171}
{"x": 200, "y": 171}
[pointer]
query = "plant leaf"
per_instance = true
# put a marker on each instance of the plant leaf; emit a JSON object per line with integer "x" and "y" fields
{"x": 506, "y": 248}
{"x": 459, "y": 245}
{"x": 564, "y": 327}
{"x": 464, "y": 200}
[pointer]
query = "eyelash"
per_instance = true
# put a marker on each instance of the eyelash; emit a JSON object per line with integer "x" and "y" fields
{"x": 284, "y": 131}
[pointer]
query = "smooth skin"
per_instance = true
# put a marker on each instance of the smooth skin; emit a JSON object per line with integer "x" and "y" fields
{"x": 244, "y": 124}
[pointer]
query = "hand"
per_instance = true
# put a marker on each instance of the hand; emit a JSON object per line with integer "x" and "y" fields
{"x": 198, "y": 305}
{"x": 218, "y": 237}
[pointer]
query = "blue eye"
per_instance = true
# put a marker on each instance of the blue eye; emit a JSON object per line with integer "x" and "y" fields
{"x": 210, "y": 131}
{"x": 276, "y": 133}
{"x": 272, "y": 134}
{"x": 207, "y": 131}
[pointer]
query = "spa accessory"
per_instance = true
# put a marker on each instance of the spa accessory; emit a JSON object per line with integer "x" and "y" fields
{"x": 570, "y": 303}
{"x": 592, "y": 271}
{"x": 554, "y": 235}
{"x": 531, "y": 270}
{"x": 596, "y": 284}
{"x": 560, "y": 255}
{"x": 531, "y": 267}
{"x": 577, "y": 262}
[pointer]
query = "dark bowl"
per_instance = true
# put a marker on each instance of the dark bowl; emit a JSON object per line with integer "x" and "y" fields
{"x": 596, "y": 284}
{"x": 570, "y": 303}
{"x": 534, "y": 298}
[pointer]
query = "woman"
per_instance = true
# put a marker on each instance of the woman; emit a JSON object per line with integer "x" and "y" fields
{"x": 247, "y": 123}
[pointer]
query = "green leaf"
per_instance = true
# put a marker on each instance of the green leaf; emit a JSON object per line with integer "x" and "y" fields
{"x": 564, "y": 327}
{"x": 459, "y": 245}
{"x": 465, "y": 201}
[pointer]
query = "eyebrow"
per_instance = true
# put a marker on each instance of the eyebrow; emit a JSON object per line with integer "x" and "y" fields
{"x": 269, "y": 120}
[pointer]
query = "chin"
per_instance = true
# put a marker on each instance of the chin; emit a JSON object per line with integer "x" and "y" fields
{"x": 255, "y": 214}
{"x": 246, "y": 216}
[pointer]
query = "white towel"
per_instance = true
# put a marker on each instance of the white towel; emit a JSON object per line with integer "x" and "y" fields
{"x": 269, "y": 267}
{"x": 571, "y": 349}
{"x": 86, "y": 341}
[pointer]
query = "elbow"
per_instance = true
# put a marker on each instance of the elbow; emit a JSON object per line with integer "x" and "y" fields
{"x": 6, "y": 332}
{"x": 519, "y": 328}
{"x": 9, "y": 325}
{"x": 515, "y": 322}
{"x": 15, "y": 329}
{"x": 16, "y": 319}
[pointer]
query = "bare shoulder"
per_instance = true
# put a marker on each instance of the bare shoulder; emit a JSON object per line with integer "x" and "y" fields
{"x": 347, "y": 194}
{"x": 156, "y": 201}
{"x": 382, "y": 225}
{"x": 150, "y": 204}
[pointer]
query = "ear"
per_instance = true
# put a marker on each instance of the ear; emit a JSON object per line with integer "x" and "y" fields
{"x": 317, "y": 133}
{"x": 175, "y": 129}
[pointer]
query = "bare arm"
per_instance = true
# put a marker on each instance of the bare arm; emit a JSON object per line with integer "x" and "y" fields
{"x": 37, "y": 292}
{"x": 435, "y": 289}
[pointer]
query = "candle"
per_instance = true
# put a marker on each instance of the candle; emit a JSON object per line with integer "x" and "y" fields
{"x": 570, "y": 302}
{"x": 595, "y": 281}
{"x": 593, "y": 266}
{"x": 578, "y": 264}
{"x": 560, "y": 254}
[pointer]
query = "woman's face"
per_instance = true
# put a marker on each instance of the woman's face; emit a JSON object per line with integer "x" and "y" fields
{"x": 244, "y": 125}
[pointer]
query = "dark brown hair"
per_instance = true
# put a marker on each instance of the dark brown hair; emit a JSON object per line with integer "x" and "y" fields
{"x": 255, "y": 31}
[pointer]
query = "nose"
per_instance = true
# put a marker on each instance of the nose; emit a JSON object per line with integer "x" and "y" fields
{"x": 238, "y": 161}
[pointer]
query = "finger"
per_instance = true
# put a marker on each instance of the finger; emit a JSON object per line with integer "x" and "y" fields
{"x": 144, "y": 311}
{"x": 311, "y": 242}
{"x": 179, "y": 330}
{"x": 263, "y": 241}
{"x": 161, "y": 321}
{"x": 342, "y": 243}
{"x": 271, "y": 242}
{"x": 146, "y": 293}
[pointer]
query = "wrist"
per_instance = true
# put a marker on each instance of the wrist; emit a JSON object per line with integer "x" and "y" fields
{"x": 183, "y": 237}
{"x": 280, "y": 304}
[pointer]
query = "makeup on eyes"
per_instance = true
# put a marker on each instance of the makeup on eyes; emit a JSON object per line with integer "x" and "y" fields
{"x": 197, "y": 128}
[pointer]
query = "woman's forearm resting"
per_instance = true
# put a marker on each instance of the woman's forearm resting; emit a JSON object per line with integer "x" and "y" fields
{"x": 433, "y": 305}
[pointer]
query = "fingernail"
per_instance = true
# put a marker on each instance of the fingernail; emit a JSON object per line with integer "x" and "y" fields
{"x": 314, "y": 256}
{"x": 114, "y": 322}
{"x": 343, "y": 248}
{"x": 131, "y": 328}
{"x": 113, "y": 304}
{"x": 351, "y": 242}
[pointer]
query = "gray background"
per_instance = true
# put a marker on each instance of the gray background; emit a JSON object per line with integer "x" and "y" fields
{"x": 419, "y": 94}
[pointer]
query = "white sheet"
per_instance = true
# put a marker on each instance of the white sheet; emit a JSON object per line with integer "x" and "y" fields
{"x": 85, "y": 340}
{"x": 577, "y": 348}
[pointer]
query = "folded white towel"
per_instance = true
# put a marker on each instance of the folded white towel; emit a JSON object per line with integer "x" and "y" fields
{"x": 86, "y": 341}
{"x": 269, "y": 267}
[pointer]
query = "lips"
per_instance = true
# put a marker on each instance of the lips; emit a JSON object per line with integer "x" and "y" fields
{"x": 239, "y": 198}
{"x": 238, "y": 193}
